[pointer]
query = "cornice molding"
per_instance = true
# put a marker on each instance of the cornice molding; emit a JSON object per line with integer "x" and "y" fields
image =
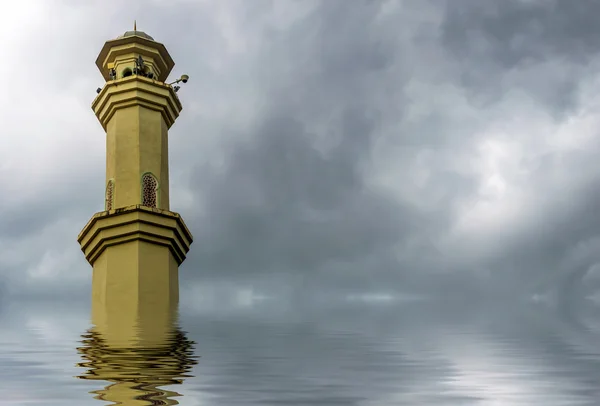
{"x": 136, "y": 91}
{"x": 156, "y": 226}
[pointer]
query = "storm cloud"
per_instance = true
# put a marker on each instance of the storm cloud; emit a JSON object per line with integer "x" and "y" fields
{"x": 403, "y": 146}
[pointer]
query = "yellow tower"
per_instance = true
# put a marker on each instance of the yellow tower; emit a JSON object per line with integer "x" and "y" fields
{"x": 136, "y": 244}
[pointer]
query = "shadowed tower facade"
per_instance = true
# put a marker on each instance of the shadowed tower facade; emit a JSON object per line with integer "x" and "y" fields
{"x": 136, "y": 244}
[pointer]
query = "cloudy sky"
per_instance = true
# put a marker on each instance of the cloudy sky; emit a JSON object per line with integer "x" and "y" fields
{"x": 411, "y": 146}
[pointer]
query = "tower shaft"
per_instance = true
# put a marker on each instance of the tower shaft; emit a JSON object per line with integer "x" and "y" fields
{"x": 137, "y": 159}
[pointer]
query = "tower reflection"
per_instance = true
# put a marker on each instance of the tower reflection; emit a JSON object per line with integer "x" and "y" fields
{"x": 137, "y": 360}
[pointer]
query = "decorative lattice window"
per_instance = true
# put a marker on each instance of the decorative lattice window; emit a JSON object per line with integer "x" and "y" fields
{"x": 110, "y": 193}
{"x": 149, "y": 190}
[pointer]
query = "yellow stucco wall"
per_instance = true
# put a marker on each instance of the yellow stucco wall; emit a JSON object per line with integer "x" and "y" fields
{"x": 137, "y": 143}
{"x": 135, "y": 291}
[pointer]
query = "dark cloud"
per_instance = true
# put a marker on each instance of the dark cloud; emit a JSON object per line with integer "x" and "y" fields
{"x": 281, "y": 203}
{"x": 491, "y": 41}
{"x": 514, "y": 32}
{"x": 282, "y": 206}
{"x": 329, "y": 145}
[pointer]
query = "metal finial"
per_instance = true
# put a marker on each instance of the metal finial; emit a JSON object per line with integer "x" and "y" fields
{"x": 134, "y": 25}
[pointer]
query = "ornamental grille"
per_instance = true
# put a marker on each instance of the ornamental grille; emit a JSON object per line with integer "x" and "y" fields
{"x": 149, "y": 189}
{"x": 110, "y": 187}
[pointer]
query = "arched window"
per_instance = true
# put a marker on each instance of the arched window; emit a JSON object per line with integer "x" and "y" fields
{"x": 127, "y": 72}
{"x": 149, "y": 190}
{"x": 110, "y": 193}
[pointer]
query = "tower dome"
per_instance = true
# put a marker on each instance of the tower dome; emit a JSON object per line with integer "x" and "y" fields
{"x": 136, "y": 33}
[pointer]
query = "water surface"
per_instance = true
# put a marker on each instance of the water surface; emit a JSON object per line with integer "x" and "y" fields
{"x": 349, "y": 354}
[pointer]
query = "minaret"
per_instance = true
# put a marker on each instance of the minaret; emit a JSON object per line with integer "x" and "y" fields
{"x": 136, "y": 244}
